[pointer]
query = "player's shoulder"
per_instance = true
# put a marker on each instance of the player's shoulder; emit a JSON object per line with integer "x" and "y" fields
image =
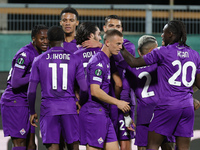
{"x": 97, "y": 58}
{"x": 127, "y": 42}
{"x": 26, "y": 52}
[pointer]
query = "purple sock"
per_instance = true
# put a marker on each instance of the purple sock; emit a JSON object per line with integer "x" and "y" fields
{"x": 19, "y": 148}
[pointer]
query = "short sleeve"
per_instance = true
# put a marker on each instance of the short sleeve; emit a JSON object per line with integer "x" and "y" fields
{"x": 22, "y": 60}
{"x": 95, "y": 73}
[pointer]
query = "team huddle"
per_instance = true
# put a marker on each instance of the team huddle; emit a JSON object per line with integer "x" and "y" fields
{"x": 89, "y": 90}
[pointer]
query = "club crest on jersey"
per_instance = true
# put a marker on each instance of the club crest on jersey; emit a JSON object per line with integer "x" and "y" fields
{"x": 100, "y": 140}
{"x": 22, "y": 131}
{"x": 98, "y": 72}
{"x": 20, "y": 61}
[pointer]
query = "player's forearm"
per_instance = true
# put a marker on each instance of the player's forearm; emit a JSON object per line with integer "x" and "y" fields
{"x": 31, "y": 95}
{"x": 31, "y": 102}
{"x": 17, "y": 80}
{"x": 131, "y": 60}
{"x": 101, "y": 95}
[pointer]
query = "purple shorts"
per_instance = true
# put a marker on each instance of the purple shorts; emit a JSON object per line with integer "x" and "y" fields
{"x": 15, "y": 120}
{"x": 114, "y": 116}
{"x": 123, "y": 132}
{"x": 96, "y": 127}
{"x": 52, "y": 126}
{"x": 178, "y": 122}
{"x": 141, "y": 137}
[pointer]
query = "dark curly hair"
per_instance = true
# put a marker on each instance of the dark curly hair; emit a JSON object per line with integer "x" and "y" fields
{"x": 178, "y": 29}
{"x": 84, "y": 30}
{"x": 36, "y": 29}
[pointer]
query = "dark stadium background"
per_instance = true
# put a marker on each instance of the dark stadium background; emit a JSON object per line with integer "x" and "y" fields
{"x": 163, "y": 2}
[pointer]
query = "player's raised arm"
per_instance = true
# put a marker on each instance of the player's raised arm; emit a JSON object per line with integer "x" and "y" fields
{"x": 131, "y": 60}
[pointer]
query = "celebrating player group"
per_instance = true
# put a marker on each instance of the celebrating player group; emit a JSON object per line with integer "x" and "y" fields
{"x": 89, "y": 88}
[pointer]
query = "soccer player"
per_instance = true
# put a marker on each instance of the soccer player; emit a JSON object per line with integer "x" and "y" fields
{"x": 178, "y": 69}
{"x": 97, "y": 131}
{"x": 87, "y": 31}
{"x": 143, "y": 80}
{"x": 69, "y": 22}
{"x": 14, "y": 105}
{"x": 57, "y": 70}
{"x": 117, "y": 116}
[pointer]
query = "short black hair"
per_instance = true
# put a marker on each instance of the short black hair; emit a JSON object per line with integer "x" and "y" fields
{"x": 111, "y": 32}
{"x": 55, "y": 33}
{"x": 69, "y": 10}
{"x": 112, "y": 17}
{"x": 37, "y": 28}
{"x": 84, "y": 30}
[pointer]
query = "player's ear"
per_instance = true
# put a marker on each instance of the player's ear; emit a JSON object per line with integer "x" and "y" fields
{"x": 139, "y": 52}
{"x": 91, "y": 36}
{"x": 33, "y": 39}
{"x": 107, "y": 43}
{"x": 77, "y": 23}
{"x": 104, "y": 28}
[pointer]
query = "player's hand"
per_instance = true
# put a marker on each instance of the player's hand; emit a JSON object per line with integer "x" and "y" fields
{"x": 123, "y": 105}
{"x": 123, "y": 48}
{"x": 129, "y": 123}
{"x": 196, "y": 104}
{"x": 78, "y": 107}
{"x": 92, "y": 43}
{"x": 34, "y": 120}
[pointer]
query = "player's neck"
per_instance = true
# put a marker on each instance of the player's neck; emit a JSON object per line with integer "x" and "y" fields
{"x": 55, "y": 43}
{"x": 106, "y": 51}
{"x": 69, "y": 37}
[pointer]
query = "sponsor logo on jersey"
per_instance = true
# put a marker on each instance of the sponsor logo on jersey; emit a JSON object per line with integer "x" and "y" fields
{"x": 22, "y": 131}
{"x": 125, "y": 134}
{"x": 100, "y": 65}
{"x": 19, "y": 66}
{"x": 98, "y": 72}
{"x": 23, "y": 54}
{"x": 97, "y": 79}
{"x": 100, "y": 140}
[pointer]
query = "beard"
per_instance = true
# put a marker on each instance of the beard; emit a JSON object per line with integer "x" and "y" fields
{"x": 68, "y": 34}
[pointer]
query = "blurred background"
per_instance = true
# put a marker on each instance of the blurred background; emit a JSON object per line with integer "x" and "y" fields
{"x": 17, "y": 17}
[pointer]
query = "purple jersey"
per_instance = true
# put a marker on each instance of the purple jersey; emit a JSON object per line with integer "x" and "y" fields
{"x": 177, "y": 68}
{"x": 70, "y": 46}
{"x": 21, "y": 61}
{"x": 143, "y": 80}
{"x": 85, "y": 54}
{"x": 98, "y": 72}
{"x": 56, "y": 70}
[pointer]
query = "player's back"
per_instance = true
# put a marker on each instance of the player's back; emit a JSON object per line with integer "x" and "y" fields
{"x": 143, "y": 80}
{"x": 58, "y": 69}
{"x": 85, "y": 54}
{"x": 177, "y": 66}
